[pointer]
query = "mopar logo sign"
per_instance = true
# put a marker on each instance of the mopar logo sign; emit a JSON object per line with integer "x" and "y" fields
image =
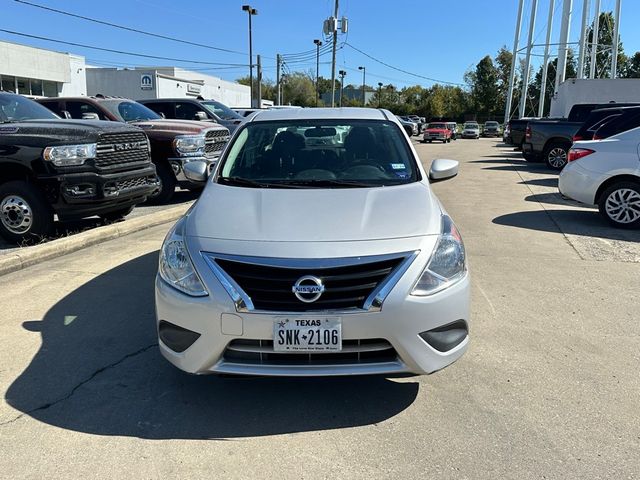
{"x": 146, "y": 82}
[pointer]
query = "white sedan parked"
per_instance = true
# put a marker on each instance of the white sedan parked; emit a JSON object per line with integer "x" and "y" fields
{"x": 606, "y": 173}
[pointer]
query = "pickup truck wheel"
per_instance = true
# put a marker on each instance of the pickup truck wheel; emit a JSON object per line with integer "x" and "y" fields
{"x": 620, "y": 205}
{"x": 167, "y": 187}
{"x": 117, "y": 215}
{"x": 555, "y": 155}
{"x": 25, "y": 214}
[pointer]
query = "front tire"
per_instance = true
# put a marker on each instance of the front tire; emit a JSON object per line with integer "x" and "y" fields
{"x": 620, "y": 205}
{"x": 25, "y": 214}
{"x": 555, "y": 155}
{"x": 167, "y": 187}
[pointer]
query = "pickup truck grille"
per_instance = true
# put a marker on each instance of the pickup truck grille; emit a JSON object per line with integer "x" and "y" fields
{"x": 215, "y": 140}
{"x": 122, "y": 150}
{"x": 269, "y": 287}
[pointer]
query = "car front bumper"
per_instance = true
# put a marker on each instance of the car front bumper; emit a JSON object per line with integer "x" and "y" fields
{"x": 402, "y": 318}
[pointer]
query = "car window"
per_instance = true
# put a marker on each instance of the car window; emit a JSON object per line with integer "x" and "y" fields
{"x": 437, "y": 125}
{"x": 127, "y": 111}
{"x": 187, "y": 111}
{"x": 313, "y": 153}
{"x": 77, "y": 108}
{"x": 221, "y": 110}
{"x": 54, "y": 106}
{"x": 619, "y": 125}
{"x": 162, "y": 108}
{"x": 15, "y": 108}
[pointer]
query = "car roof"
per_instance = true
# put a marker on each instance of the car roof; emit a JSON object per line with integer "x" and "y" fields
{"x": 351, "y": 113}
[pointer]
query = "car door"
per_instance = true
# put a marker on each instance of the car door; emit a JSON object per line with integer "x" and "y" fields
{"x": 166, "y": 109}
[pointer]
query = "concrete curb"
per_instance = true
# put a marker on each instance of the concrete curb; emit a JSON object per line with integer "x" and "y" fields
{"x": 28, "y": 256}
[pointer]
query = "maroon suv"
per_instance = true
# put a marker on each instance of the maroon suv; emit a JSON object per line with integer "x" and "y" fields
{"x": 173, "y": 142}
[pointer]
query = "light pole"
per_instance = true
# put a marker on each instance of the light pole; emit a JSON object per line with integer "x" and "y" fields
{"x": 379, "y": 94}
{"x": 364, "y": 72}
{"x": 342, "y": 74}
{"x": 251, "y": 12}
{"x": 318, "y": 45}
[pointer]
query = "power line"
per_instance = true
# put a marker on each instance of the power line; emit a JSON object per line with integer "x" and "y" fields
{"x": 121, "y": 52}
{"x": 435, "y": 80}
{"x": 130, "y": 29}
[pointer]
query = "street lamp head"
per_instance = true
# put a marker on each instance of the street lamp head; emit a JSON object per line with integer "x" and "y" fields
{"x": 246, "y": 8}
{"x": 317, "y": 42}
{"x": 361, "y": 68}
{"x": 380, "y": 84}
{"x": 254, "y": 11}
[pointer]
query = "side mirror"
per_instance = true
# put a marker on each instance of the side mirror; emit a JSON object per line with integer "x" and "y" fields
{"x": 443, "y": 169}
{"x": 90, "y": 116}
{"x": 196, "y": 171}
{"x": 65, "y": 114}
{"x": 201, "y": 116}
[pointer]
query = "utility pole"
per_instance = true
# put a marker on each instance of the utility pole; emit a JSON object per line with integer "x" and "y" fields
{"x": 586, "y": 6}
{"x": 251, "y": 12}
{"x": 364, "y": 72}
{"x": 594, "y": 41}
{"x": 259, "y": 102}
{"x": 379, "y": 94}
{"x": 334, "y": 28}
{"x": 527, "y": 62}
{"x": 278, "y": 80}
{"x": 545, "y": 68}
{"x": 514, "y": 61}
{"x": 342, "y": 74}
{"x": 614, "y": 43}
{"x": 318, "y": 45}
{"x": 565, "y": 27}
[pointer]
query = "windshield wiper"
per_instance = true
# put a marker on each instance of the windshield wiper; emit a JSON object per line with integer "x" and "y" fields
{"x": 244, "y": 182}
{"x": 327, "y": 183}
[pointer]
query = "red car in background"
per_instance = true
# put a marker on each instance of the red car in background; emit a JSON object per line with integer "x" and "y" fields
{"x": 437, "y": 131}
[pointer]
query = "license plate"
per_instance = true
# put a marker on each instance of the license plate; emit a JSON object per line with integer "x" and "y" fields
{"x": 307, "y": 334}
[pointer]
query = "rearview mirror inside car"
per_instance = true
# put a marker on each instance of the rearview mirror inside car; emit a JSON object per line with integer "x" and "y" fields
{"x": 320, "y": 132}
{"x": 443, "y": 169}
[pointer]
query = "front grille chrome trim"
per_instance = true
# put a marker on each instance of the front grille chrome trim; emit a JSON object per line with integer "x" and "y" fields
{"x": 373, "y": 302}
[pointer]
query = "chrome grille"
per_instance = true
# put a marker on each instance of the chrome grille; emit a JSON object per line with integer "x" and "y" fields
{"x": 122, "y": 150}
{"x": 266, "y": 284}
{"x": 215, "y": 140}
{"x": 260, "y": 352}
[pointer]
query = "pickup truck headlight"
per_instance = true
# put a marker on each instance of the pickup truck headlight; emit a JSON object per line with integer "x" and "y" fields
{"x": 69, "y": 155}
{"x": 189, "y": 145}
{"x": 447, "y": 264}
{"x": 175, "y": 266}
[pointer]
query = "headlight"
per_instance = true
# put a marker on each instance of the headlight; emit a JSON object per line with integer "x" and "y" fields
{"x": 189, "y": 145}
{"x": 69, "y": 155}
{"x": 447, "y": 264}
{"x": 176, "y": 267}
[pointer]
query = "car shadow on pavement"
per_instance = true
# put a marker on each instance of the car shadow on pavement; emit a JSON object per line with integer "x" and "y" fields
{"x": 99, "y": 371}
{"x": 572, "y": 222}
{"x": 541, "y": 182}
{"x": 524, "y": 166}
{"x": 553, "y": 198}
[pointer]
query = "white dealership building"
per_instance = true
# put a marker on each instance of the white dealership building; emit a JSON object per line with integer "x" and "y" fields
{"x": 142, "y": 83}
{"x": 41, "y": 73}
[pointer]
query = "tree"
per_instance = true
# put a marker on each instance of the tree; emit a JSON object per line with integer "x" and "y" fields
{"x": 269, "y": 90}
{"x": 298, "y": 89}
{"x": 604, "y": 52}
{"x": 503, "y": 66}
{"x": 484, "y": 86}
{"x": 632, "y": 69}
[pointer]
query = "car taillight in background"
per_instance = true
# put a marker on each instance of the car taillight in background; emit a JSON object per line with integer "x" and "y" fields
{"x": 527, "y": 132}
{"x": 578, "y": 153}
{"x": 596, "y": 137}
{"x": 577, "y": 138}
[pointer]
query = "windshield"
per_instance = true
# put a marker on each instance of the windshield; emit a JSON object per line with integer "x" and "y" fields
{"x": 319, "y": 153}
{"x": 491, "y": 124}
{"x": 471, "y": 125}
{"x": 221, "y": 110}
{"x": 14, "y": 108}
{"x": 437, "y": 125}
{"x": 130, "y": 111}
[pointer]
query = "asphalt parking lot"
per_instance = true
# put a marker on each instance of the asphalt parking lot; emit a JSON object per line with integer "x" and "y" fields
{"x": 548, "y": 389}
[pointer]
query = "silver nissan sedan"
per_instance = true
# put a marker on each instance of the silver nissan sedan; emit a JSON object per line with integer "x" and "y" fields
{"x": 316, "y": 248}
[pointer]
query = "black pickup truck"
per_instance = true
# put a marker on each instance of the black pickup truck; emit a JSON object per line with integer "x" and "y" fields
{"x": 71, "y": 168}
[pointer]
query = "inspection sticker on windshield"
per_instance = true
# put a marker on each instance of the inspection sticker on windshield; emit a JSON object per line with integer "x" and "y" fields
{"x": 307, "y": 334}
{"x": 398, "y": 166}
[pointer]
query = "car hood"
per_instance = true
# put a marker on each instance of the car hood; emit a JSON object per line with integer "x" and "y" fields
{"x": 314, "y": 215}
{"x": 177, "y": 126}
{"x": 63, "y": 131}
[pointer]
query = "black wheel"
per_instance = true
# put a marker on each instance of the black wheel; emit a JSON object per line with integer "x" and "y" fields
{"x": 25, "y": 214}
{"x": 430, "y": 141}
{"x": 555, "y": 155}
{"x": 620, "y": 205}
{"x": 448, "y": 140}
{"x": 117, "y": 214}
{"x": 167, "y": 187}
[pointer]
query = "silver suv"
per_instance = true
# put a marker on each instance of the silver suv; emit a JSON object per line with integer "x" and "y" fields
{"x": 316, "y": 248}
